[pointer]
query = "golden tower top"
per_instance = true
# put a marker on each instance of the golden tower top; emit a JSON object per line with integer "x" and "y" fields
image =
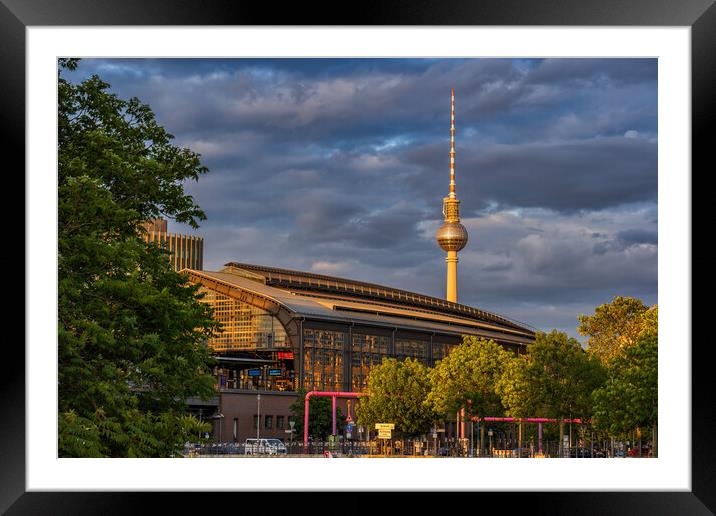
{"x": 452, "y": 236}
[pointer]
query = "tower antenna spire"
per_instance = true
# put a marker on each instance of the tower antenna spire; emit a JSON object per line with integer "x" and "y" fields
{"x": 452, "y": 146}
{"x": 451, "y": 236}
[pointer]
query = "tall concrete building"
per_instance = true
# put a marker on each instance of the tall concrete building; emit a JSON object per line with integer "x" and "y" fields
{"x": 452, "y": 236}
{"x": 187, "y": 251}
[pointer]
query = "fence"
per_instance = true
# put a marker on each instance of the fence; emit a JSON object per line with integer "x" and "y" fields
{"x": 417, "y": 448}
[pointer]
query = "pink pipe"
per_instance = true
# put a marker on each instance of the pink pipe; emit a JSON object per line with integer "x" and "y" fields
{"x": 333, "y": 406}
{"x": 530, "y": 420}
{"x": 334, "y": 395}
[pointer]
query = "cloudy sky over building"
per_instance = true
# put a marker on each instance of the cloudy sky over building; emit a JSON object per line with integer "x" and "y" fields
{"x": 339, "y": 166}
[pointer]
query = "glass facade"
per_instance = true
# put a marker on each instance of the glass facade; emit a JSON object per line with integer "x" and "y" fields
{"x": 243, "y": 326}
{"x": 326, "y": 351}
{"x": 334, "y": 358}
{"x": 366, "y": 351}
{"x": 440, "y": 351}
{"x": 270, "y": 377}
{"x": 417, "y": 349}
{"x": 323, "y": 359}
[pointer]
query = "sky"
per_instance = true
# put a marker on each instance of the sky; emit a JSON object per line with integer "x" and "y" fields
{"x": 339, "y": 167}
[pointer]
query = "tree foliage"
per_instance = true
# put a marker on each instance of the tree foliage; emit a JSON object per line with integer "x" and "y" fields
{"x": 397, "y": 394}
{"x": 554, "y": 379}
{"x": 467, "y": 376}
{"x": 320, "y": 416}
{"x": 629, "y": 399}
{"x": 616, "y": 326}
{"x": 650, "y": 327}
{"x": 132, "y": 332}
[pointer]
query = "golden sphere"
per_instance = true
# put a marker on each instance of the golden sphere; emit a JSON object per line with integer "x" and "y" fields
{"x": 451, "y": 236}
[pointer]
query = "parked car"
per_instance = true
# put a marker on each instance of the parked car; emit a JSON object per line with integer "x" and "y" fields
{"x": 264, "y": 447}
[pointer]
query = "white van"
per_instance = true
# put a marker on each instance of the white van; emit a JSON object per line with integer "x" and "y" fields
{"x": 264, "y": 447}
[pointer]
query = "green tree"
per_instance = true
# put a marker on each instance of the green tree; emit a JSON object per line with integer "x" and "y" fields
{"x": 650, "y": 326}
{"x": 616, "y": 326}
{"x": 131, "y": 331}
{"x": 397, "y": 394}
{"x": 320, "y": 416}
{"x": 629, "y": 399}
{"x": 554, "y": 379}
{"x": 467, "y": 376}
{"x": 513, "y": 388}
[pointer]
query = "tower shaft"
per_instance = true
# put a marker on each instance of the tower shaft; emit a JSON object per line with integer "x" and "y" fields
{"x": 451, "y": 289}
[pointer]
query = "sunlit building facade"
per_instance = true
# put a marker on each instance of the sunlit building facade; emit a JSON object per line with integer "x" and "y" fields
{"x": 187, "y": 251}
{"x": 285, "y": 330}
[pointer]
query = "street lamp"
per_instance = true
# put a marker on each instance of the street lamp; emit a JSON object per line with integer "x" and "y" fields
{"x": 201, "y": 411}
{"x": 219, "y": 417}
{"x": 258, "y": 417}
{"x": 472, "y": 435}
{"x": 472, "y": 425}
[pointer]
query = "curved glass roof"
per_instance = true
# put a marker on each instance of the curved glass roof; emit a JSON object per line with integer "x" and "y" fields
{"x": 324, "y": 297}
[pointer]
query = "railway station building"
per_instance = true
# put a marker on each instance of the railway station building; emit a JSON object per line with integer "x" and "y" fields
{"x": 284, "y": 330}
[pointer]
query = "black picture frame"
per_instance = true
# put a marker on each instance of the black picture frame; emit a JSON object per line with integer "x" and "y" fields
{"x": 700, "y": 15}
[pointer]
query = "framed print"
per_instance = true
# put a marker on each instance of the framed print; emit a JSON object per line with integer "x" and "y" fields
{"x": 659, "y": 56}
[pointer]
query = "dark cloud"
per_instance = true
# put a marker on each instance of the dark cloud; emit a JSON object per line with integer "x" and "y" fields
{"x": 618, "y": 71}
{"x": 568, "y": 176}
{"x": 339, "y": 166}
{"x": 624, "y": 239}
{"x": 629, "y": 237}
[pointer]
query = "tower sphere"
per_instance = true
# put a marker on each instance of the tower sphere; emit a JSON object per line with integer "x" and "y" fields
{"x": 451, "y": 236}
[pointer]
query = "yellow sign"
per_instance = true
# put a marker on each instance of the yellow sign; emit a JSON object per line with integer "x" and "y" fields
{"x": 385, "y": 433}
{"x": 385, "y": 426}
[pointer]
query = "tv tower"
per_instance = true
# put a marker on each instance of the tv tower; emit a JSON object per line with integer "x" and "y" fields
{"x": 451, "y": 236}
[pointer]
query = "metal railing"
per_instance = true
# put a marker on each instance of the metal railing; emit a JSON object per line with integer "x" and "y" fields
{"x": 418, "y": 448}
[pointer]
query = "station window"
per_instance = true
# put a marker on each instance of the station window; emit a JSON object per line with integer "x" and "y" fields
{"x": 279, "y": 422}
{"x": 268, "y": 422}
{"x": 323, "y": 359}
{"x": 256, "y": 421}
{"x": 366, "y": 351}
{"x": 243, "y": 326}
{"x": 440, "y": 351}
{"x": 416, "y": 349}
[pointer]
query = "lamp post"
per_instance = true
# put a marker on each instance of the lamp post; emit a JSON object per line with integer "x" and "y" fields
{"x": 258, "y": 416}
{"x": 472, "y": 434}
{"x": 472, "y": 425}
{"x": 219, "y": 417}
{"x": 201, "y": 411}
